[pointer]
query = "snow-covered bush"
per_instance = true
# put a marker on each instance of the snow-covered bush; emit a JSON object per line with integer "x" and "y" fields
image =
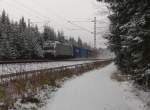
{"x": 130, "y": 35}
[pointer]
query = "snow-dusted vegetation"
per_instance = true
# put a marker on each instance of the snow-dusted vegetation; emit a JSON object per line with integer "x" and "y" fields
{"x": 21, "y": 40}
{"x": 26, "y": 91}
{"x": 96, "y": 90}
{"x": 92, "y": 84}
{"x": 22, "y": 67}
{"x": 130, "y": 38}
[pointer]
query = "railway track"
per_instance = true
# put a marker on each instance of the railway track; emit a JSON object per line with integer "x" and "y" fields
{"x": 46, "y": 60}
{"x": 26, "y": 74}
{"x": 15, "y": 67}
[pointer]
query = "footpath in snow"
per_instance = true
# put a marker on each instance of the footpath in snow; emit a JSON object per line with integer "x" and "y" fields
{"x": 95, "y": 90}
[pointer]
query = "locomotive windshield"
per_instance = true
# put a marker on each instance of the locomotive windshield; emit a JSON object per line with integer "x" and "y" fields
{"x": 49, "y": 48}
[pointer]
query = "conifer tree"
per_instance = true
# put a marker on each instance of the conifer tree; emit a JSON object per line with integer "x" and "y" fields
{"x": 130, "y": 35}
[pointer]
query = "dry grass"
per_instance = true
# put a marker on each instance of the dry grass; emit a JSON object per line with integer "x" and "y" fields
{"x": 118, "y": 77}
{"x": 21, "y": 85}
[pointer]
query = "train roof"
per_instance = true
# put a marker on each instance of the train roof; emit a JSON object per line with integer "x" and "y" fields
{"x": 56, "y": 42}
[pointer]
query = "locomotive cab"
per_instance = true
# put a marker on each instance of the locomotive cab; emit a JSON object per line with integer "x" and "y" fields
{"x": 53, "y": 49}
{"x": 49, "y": 49}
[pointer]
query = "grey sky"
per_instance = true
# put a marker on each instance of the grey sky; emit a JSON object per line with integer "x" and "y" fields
{"x": 57, "y": 13}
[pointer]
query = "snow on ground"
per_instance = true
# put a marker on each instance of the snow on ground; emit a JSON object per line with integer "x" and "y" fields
{"x": 14, "y": 68}
{"x": 95, "y": 91}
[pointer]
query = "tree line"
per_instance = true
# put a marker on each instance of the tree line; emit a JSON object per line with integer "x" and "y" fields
{"x": 20, "y": 40}
{"x": 130, "y": 37}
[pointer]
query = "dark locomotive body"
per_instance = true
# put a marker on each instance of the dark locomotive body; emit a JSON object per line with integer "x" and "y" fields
{"x": 55, "y": 49}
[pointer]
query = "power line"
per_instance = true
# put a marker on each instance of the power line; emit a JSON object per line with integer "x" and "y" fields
{"x": 9, "y": 4}
{"x": 35, "y": 11}
{"x": 58, "y": 16}
{"x": 79, "y": 26}
{"x": 80, "y": 21}
{"x": 39, "y": 13}
{"x": 25, "y": 10}
{"x": 70, "y": 22}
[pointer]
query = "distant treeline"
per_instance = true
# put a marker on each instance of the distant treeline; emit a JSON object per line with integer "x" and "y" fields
{"x": 20, "y": 40}
{"x": 130, "y": 37}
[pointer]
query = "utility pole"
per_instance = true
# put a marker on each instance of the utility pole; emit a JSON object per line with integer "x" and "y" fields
{"x": 95, "y": 32}
{"x": 29, "y": 22}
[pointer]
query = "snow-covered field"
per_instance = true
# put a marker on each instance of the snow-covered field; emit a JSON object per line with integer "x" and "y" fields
{"x": 95, "y": 90}
{"x": 15, "y": 68}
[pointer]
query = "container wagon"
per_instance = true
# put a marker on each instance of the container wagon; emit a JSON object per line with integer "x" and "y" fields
{"x": 76, "y": 52}
{"x": 84, "y": 53}
{"x": 80, "y": 52}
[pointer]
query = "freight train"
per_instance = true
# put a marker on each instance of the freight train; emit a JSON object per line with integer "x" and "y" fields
{"x": 55, "y": 49}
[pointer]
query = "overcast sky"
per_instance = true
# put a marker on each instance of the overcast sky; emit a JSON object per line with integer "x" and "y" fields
{"x": 57, "y": 13}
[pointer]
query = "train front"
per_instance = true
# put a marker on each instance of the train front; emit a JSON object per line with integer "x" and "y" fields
{"x": 49, "y": 49}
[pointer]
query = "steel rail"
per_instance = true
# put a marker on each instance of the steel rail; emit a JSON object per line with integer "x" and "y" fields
{"x": 7, "y": 77}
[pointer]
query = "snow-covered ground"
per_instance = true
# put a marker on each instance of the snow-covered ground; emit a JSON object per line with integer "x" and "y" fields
{"x": 14, "y": 68}
{"x": 95, "y": 90}
{"x": 106, "y": 54}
